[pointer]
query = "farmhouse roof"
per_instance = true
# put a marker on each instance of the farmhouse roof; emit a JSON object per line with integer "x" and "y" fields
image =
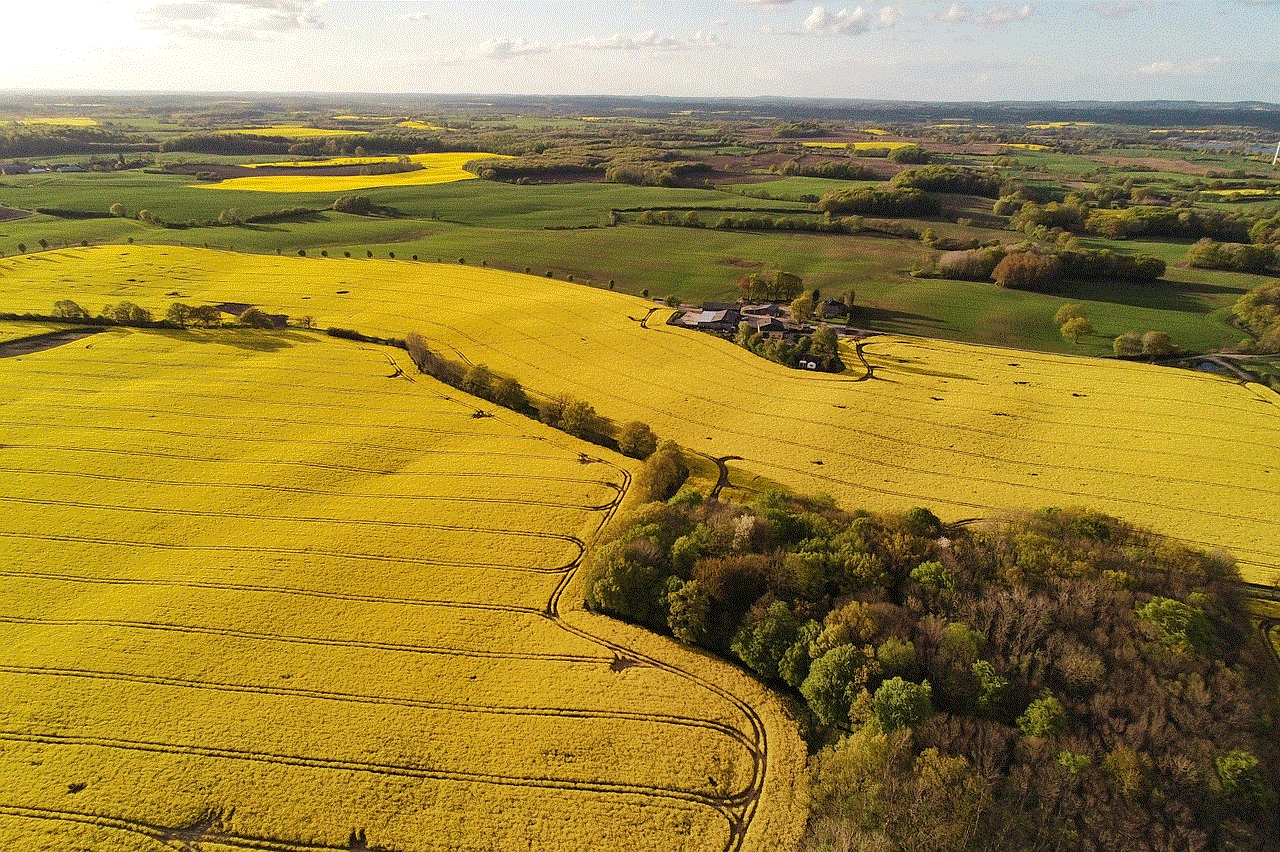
{"x": 770, "y": 309}
{"x": 834, "y": 308}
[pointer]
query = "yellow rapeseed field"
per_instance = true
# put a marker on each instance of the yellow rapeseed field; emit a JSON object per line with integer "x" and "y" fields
{"x": 1241, "y": 191}
{"x": 1052, "y": 124}
{"x": 63, "y": 121}
{"x": 858, "y": 146}
{"x": 15, "y": 330}
{"x": 263, "y": 590}
{"x": 435, "y": 168}
{"x": 294, "y": 131}
{"x": 418, "y": 125}
{"x": 967, "y": 430}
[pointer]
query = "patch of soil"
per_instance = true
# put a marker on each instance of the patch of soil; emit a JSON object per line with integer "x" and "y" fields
{"x": 10, "y": 213}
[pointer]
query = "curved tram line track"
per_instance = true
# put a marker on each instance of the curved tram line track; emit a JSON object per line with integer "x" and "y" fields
{"x": 738, "y": 808}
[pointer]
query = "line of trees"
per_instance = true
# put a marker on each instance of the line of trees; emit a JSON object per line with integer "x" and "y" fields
{"x": 1041, "y": 269}
{"x": 875, "y": 201}
{"x": 1258, "y": 312}
{"x": 560, "y": 411}
{"x": 1237, "y": 257}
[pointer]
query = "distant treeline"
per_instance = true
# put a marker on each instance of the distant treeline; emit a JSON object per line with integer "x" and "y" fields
{"x": 1043, "y": 269}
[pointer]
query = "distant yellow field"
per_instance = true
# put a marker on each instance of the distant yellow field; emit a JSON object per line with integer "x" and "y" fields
{"x": 16, "y": 330}
{"x": 418, "y": 125}
{"x": 1053, "y": 124}
{"x": 1025, "y": 146}
{"x": 1241, "y": 191}
{"x": 296, "y": 131}
{"x": 64, "y": 121}
{"x": 363, "y": 117}
{"x": 874, "y": 131}
{"x": 424, "y": 159}
{"x": 968, "y": 430}
{"x": 262, "y": 589}
{"x": 860, "y": 146}
{"x": 436, "y": 168}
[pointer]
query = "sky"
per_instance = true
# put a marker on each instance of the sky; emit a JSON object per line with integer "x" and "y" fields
{"x": 1217, "y": 50}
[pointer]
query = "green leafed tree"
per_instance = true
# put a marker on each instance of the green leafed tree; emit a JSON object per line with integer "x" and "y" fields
{"x": 899, "y": 703}
{"x": 1067, "y": 312}
{"x": 833, "y": 683}
{"x": 67, "y": 309}
{"x": 620, "y": 583}
{"x": 761, "y": 644}
{"x": 580, "y": 419}
{"x": 1043, "y": 717}
{"x": 688, "y": 610}
{"x": 1075, "y": 328}
{"x": 178, "y": 314}
{"x": 508, "y": 393}
{"x": 256, "y": 318}
{"x": 478, "y": 381}
{"x": 802, "y": 309}
{"x": 1157, "y": 343}
{"x": 637, "y": 440}
{"x": 1129, "y": 343}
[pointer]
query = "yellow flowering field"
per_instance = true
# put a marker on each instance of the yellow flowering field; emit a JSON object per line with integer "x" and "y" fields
{"x": 63, "y": 121}
{"x": 433, "y": 169}
{"x": 968, "y": 430}
{"x": 264, "y": 591}
{"x": 859, "y": 146}
{"x": 294, "y": 131}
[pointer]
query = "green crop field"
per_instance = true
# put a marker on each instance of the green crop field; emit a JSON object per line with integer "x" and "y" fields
{"x": 968, "y": 430}
{"x": 263, "y": 590}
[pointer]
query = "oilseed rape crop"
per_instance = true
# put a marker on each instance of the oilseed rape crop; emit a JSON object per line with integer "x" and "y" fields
{"x": 268, "y": 590}
{"x": 292, "y": 131}
{"x": 968, "y": 430}
{"x": 432, "y": 169}
{"x": 859, "y": 146}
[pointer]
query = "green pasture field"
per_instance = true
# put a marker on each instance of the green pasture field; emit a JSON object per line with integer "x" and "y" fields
{"x": 705, "y": 264}
{"x": 791, "y": 188}
{"x": 507, "y": 226}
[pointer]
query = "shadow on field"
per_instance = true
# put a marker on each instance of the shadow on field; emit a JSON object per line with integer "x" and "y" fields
{"x": 1184, "y": 297}
{"x": 885, "y": 319}
{"x": 249, "y": 340}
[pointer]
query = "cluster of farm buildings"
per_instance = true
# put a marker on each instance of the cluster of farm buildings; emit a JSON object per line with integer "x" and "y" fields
{"x": 770, "y": 320}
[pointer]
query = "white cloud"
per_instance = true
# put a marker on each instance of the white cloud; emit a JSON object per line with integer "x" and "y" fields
{"x": 236, "y": 20}
{"x": 411, "y": 17}
{"x": 498, "y": 49}
{"x": 889, "y": 16}
{"x": 650, "y": 40}
{"x": 992, "y": 17}
{"x": 998, "y": 17}
{"x": 1182, "y": 68}
{"x": 844, "y": 22}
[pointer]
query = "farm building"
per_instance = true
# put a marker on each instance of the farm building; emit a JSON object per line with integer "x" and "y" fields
{"x": 833, "y": 309}
{"x": 713, "y": 316}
